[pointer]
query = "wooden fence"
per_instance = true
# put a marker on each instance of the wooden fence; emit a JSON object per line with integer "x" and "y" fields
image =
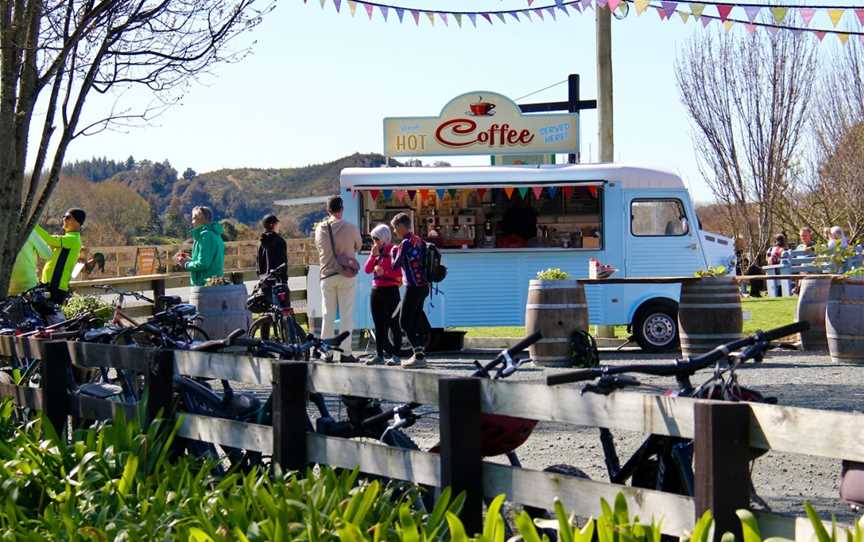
{"x": 723, "y": 432}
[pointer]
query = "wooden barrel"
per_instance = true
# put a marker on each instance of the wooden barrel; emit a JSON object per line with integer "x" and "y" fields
{"x": 811, "y": 308}
{"x": 556, "y": 308}
{"x": 844, "y": 321}
{"x": 222, "y": 307}
{"x": 709, "y": 314}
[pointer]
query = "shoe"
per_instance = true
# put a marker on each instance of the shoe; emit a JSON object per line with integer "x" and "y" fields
{"x": 417, "y": 361}
{"x": 377, "y": 360}
{"x": 348, "y": 359}
{"x": 394, "y": 361}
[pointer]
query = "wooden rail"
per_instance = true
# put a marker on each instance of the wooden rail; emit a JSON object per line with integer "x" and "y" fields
{"x": 720, "y": 459}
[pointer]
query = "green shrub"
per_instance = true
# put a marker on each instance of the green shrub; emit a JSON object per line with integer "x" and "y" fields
{"x": 77, "y": 304}
{"x": 718, "y": 271}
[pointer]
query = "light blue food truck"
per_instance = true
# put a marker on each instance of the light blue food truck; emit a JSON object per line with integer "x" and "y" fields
{"x": 497, "y": 226}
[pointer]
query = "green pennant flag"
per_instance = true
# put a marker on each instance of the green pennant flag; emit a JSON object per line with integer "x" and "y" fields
{"x": 452, "y": 192}
{"x": 458, "y": 19}
{"x": 523, "y": 192}
{"x": 779, "y": 14}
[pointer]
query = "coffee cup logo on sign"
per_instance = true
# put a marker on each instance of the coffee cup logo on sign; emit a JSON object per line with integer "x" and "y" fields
{"x": 481, "y": 108}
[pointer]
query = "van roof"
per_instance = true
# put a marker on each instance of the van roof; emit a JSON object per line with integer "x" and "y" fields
{"x": 627, "y": 176}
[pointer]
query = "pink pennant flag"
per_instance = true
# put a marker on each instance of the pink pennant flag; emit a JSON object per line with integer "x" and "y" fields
{"x": 530, "y": 2}
{"x": 860, "y": 14}
{"x": 669, "y": 7}
{"x": 752, "y": 12}
{"x": 444, "y": 18}
{"x": 750, "y": 28}
{"x": 861, "y": 38}
{"x": 369, "y": 8}
{"x": 821, "y": 35}
{"x": 338, "y": 4}
{"x": 416, "y": 15}
{"x": 487, "y": 17}
{"x": 384, "y": 11}
{"x": 353, "y": 194}
{"x": 539, "y": 13}
{"x": 660, "y": 12}
{"x": 723, "y": 11}
{"x": 537, "y": 191}
{"x": 806, "y": 14}
{"x": 613, "y": 4}
{"x": 473, "y": 17}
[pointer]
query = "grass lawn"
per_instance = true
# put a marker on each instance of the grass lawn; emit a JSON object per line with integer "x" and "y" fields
{"x": 765, "y": 313}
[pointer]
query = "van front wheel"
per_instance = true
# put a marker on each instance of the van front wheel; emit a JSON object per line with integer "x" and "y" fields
{"x": 656, "y": 327}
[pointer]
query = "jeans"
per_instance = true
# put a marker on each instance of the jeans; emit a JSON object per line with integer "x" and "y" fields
{"x": 338, "y": 293}
{"x": 384, "y": 301}
{"x": 410, "y": 319}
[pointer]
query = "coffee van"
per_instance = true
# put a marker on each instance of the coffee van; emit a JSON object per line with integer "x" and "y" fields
{"x": 497, "y": 226}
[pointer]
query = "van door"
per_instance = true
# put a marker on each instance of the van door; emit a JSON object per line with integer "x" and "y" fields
{"x": 663, "y": 240}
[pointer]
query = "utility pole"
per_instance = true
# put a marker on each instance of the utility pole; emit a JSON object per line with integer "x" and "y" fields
{"x": 604, "y": 105}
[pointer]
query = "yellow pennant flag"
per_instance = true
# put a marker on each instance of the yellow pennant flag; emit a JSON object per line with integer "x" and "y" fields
{"x": 458, "y": 19}
{"x": 352, "y": 6}
{"x": 641, "y": 6}
{"x": 431, "y": 17}
{"x": 697, "y": 9}
{"x": 836, "y": 15}
{"x": 779, "y": 14}
{"x": 843, "y": 38}
{"x": 684, "y": 15}
{"x": 728, "y": 25}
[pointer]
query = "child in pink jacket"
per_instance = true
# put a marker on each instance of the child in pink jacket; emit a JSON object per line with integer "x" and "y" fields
{"x": 385, "y": 296}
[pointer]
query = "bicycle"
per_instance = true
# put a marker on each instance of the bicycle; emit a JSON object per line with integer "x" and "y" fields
{"x": 662, "y": 462}
{"x": 29, "y": 310}
{"x": 272, "y": 299}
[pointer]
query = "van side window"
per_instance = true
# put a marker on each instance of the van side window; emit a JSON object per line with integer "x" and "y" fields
{"x": 658, "y": 217}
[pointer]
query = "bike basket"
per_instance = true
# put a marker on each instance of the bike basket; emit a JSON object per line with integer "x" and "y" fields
{"x": 258, "y": 304}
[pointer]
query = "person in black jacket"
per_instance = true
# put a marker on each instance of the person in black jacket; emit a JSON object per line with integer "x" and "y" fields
{"x": 273, "y": 250}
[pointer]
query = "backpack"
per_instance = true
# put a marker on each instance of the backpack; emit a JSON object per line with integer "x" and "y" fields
{"x": 435, "y": 270}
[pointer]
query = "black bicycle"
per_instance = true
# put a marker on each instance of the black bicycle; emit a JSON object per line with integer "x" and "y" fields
{"x": 271, "y": 299}
{"x": 665, "y": 463}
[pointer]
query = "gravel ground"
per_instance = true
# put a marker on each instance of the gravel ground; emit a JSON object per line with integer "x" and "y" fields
{"x": 785, "y": 481}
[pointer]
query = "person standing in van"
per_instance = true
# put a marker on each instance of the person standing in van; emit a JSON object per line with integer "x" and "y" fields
{"x": 384, "y": 299}
{"x": 337, "y": 242}
{"x": 410, "y": 256}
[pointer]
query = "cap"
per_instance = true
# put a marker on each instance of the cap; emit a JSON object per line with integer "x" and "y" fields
{"x": 269, "y": 219}
{"x": 78, "y": 214}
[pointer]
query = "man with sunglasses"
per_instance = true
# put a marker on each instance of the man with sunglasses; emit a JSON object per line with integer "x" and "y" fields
{"x": 64, "y": 254}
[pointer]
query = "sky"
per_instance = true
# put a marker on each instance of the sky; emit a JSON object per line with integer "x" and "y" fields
{"x": 319, "y": 83}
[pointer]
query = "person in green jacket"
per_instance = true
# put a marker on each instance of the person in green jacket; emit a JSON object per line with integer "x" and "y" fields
{"x": 65, "y": 251}
{"x": 24, "y": 272}
{"x": 208, "y": 250}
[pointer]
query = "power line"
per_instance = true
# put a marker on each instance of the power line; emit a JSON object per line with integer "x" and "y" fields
{"x": 553, "y": 85}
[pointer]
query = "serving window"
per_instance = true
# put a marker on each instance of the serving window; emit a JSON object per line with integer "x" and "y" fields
{"x": 562, "y": 216}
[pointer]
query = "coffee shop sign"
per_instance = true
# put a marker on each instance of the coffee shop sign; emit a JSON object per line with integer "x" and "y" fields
{"x": 481, "y": 123}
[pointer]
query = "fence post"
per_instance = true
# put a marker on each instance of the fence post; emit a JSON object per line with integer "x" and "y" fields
{"x": 722, "y": 463}
{"x": 160, "y": 386}
{"x": 461, "y": 454}
{"x": 158, "y": 286}
{"x": 55, "y": 362}
{"x": 289, "y": 415}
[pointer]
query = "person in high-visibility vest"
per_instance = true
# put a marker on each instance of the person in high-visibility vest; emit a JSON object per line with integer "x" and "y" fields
{"x": 65, "y": 251}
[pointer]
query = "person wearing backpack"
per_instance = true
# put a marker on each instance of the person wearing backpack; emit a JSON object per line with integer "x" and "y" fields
{"x": 410, "y": 256}
{"x": 337, "y": 242}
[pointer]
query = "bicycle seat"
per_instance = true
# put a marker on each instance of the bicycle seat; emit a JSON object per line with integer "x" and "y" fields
{"x": 243, "y": 404}
{"x": 169, "y": 300}
{"x": 100, "y": 390}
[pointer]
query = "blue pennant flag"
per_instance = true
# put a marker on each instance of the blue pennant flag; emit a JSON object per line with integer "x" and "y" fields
{"x": 388, "y": 194}
{"x": 440, "y": 192}
{"x": 551, "y": 190}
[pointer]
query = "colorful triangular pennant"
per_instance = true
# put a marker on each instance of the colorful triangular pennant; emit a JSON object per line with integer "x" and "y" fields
{"x": 369, "y": 8}
{"x": 660, "y": 12}
{"x": 641, "y": 6}
{"x": 669, "y": 7}
{"x": 586, "y": 4}
{"x": 500, "y": 17}
{"x": 416, "y": 15}
{"x": 431, "y": 16}
{"x": 773, "y": 30}
{"x": 728, "y": 25}
{"x": 387, "y": 194}
{"x": 473, "y": 17}
{"x": 515, "y": 15}
{"x": 523, "y": 192}
{"x": 844, "y": 38}
{"x": 323, "y": 3}
{"x": 440, "y": 193}
{"x": 400, "y": 13}
{"x": 723, "y": 11}
{"x": 806, "y": 14}
{"x": 384, "y": 10}
{"x": 705, "y": 21}
{"x": 481, "y": 192}
{"x": 820, "y": 34}
{"x": 697, "y": 9}
{"x": 539, "y": 13}
{"x": 337, "y": 4}
{"x": 601, "y": 3}
{"x": 374, "y": 194}
{"x": 835, "y": 15}
{"x": 537, "y": 191}
{"x": 487, "y": 17}
{"x": 458, "y": 17}
{"x": 860, "y": 14}
{"x": 567, "y": 191}
{"x": 352, "y": 6}
{"x": 453, "y": 192}
{"x": 509, "y": 192}
{"x": 444, "y": 18}
{"x": 685, "y": 16}
{"x": 551, "y": 12}
{"x": 424, "y": 193}
{"x": 752, "y": 12}
{"x": 412, "y": 194}
{"x": 552, "y": 191}
{"x": 613, "y": 4}
{"x": 750, "y": 28}
{"x": 779, "y": 13}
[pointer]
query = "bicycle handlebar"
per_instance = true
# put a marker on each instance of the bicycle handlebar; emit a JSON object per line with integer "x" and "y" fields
{"x": 759, "y": 340}
{"x": 136, "y": 295}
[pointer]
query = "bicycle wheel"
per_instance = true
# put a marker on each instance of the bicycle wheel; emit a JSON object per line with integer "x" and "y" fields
{"x": 195, "y": 334}
{"x": 265, "y": 328}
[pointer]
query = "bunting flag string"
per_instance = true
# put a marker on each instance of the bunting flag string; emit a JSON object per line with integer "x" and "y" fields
{"x": 775, "y": 18}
